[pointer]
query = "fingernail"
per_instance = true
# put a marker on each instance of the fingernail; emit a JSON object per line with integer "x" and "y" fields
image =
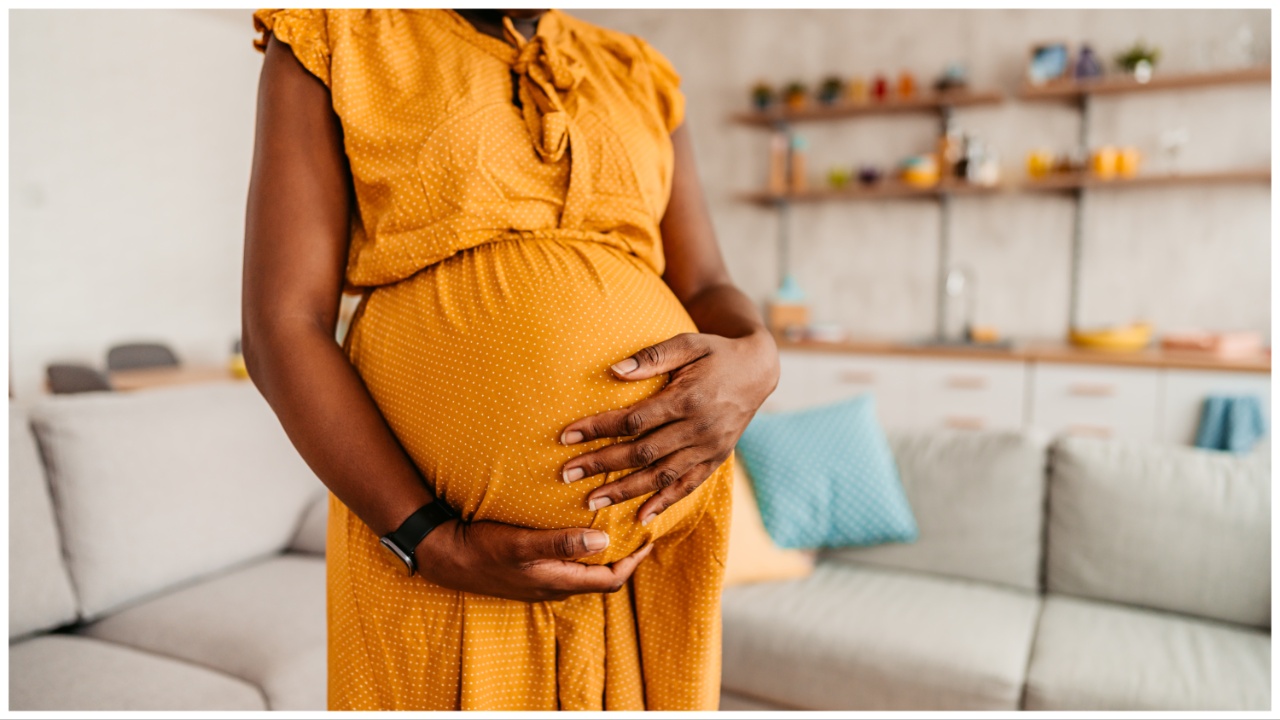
{"x": 572, "y": 474}
{"x": 644, "y": 551}
{"x": 597, "y": 503}
{"x": 595, "y": 540}
{"x": 570, "y": 438}
{"x": 625, "y": 366}
{"x": 648, "y": 518}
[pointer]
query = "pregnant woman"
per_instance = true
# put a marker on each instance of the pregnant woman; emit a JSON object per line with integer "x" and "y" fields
{"x": 527, "y": 429}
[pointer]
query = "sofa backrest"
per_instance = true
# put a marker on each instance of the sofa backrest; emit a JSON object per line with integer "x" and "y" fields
{"x": 1166, "y": 527}
{"x": 978, "y": 499}
{"x": 157, "y": 487}
{"x": 40, "y": 594}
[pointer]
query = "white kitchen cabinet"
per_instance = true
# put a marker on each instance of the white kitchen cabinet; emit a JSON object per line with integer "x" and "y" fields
{"x": 809, "y": 379}
{"x": 915, "y": 392}
{"x": 1185, "y": 391}
{"x": 1097, "y": 401}
{"x": 969, "y": 394}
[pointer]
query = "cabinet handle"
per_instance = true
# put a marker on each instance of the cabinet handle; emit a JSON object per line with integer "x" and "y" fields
{"x": 1098, "y": 431}
{"x": 858, "y": 377}
{"x": 964, "y": 422}
{"x": 966, "y": 382}
{"x": 1091, "y": 390}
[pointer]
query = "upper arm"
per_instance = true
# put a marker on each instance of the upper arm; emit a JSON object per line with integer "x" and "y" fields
{"x": 297, "y": 224}
{"x": 693, "y": 259}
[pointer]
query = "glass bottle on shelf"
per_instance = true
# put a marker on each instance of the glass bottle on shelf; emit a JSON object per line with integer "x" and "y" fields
{"x": 799, "y": 169}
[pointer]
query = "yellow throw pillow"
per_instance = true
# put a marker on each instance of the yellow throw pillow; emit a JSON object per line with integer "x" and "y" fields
{"x": 753, "y": 556}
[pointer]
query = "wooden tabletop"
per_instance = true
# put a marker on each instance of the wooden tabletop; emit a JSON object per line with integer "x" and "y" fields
{"x": 1045, "y": 351}
{"x": 146, "y": 378}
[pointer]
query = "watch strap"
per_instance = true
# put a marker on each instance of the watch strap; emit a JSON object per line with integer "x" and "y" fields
{"x": 416, "y": 527}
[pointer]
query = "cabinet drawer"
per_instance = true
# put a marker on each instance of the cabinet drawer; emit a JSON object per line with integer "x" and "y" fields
{"x": 809, "y": 379}
{"x": 1185, "y": 391}
{"x": 970, "y": 394}
{"x": 1122, "y": 403}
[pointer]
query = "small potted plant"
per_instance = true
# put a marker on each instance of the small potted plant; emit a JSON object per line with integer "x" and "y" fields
{"x": 1139, "y": 61}
{"x": 795, "y": 95}
{"x": 831, "y": 90}
{"x": 762, "y": 96}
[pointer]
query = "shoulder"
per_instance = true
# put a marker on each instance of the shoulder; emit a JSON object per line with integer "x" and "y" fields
{"x": 632, "y": 57}
{"x": 630, "y": 50}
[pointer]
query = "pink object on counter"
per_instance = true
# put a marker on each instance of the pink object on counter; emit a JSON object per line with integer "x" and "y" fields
{"x": 1222, "y": 344}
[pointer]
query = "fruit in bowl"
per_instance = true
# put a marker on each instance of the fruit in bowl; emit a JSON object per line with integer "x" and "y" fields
{"x": 1117, "y": 338}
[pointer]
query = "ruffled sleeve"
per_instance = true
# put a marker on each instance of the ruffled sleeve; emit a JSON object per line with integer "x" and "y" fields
{"x": 666, "y": 85}
{"x": 306, "y": 32}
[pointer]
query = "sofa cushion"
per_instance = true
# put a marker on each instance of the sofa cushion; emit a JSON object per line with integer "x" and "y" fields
{"x": 1101, "y": 656}
{"x": 310, "y": 537}
{"x": 825, "y": 477}
{"x": 65, "y": 672}
{"x": 732, "y": 701}
{"x": 1166, "y": 527}
{"x": 264, "y": 624}
{"x": 866, "y": 638}
{"x": 753, "y": 555}
{"x": 157, "y": 487}
{"x": 978, "y": 499}
{"x": 40, "y": 594}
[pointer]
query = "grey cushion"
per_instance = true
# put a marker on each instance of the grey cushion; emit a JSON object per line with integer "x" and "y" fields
{"x": 157, "y": 487}
{"x": 40, "y": 594}
{"x": 62, "y": 672}
{"x": 310, "y": 537}
{"x": 1166, "y": 527}
{"x": 865, "y": 638}
{"x": 264, "y": 624}
{"x": 1100, "y": 656}
{"x": 978, "y": 499}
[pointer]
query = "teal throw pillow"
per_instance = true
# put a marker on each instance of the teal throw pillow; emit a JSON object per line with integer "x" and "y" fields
{"x": 825, "y": 477}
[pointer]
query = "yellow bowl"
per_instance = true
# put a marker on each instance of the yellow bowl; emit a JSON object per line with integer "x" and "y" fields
{"x": 1120, "y": 338}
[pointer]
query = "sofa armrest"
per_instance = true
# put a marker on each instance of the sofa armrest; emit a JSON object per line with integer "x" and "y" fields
{"x": 310, "y": 537}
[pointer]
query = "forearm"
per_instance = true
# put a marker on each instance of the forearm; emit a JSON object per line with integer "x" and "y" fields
{"x": 334, "y": 423}
{"x": 722, "y": 309}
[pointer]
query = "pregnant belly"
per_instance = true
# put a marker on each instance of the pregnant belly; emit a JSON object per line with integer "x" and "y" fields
{"x": 480, "y": 361}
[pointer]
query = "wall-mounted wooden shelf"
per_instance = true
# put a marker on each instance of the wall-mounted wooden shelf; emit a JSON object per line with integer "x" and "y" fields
{"x": 1071, "y": 90}
{"x": 1076, "y": 181}
{"x": 1063, "y": 182}
{"x": 930, "y": 102}
{"x": 884, "y": 189}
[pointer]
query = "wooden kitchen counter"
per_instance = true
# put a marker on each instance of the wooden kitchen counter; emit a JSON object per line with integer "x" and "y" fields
{"x": 146, "y": 378}
{"x": 1042, "y": 351}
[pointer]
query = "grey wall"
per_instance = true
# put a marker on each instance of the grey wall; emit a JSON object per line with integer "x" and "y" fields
{"x": 1178, "y": 257}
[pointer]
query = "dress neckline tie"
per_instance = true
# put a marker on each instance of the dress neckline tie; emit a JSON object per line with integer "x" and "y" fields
{"x": 547, "y": 77}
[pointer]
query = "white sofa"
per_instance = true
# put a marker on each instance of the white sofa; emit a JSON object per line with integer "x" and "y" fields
{"x": 166, "y": 553}
{"x": 1094, "y": 576}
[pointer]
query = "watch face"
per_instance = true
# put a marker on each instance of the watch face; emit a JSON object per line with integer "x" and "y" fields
{"x": 408, "y": 561}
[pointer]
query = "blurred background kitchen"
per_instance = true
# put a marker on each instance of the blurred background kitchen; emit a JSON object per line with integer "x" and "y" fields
{"x": 1010, "y": 227}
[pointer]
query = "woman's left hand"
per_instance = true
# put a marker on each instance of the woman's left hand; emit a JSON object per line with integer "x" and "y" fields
{"x": 679, "y": 436}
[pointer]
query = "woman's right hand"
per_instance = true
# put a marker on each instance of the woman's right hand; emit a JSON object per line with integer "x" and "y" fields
{"x": 507, "y": 561}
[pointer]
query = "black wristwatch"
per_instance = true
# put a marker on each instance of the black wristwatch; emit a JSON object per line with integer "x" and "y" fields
{"x": 404, "y": 539}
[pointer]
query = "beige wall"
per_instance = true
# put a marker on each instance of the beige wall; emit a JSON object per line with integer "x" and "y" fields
{"x": 130, "y": 139}
{"x": 1182, "y": 257}
{"x": 131, "y": 134}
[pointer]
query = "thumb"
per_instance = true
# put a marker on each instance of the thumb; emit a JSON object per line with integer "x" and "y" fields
{"x": 664, "y": 357}
{"x": 570, "y": 543}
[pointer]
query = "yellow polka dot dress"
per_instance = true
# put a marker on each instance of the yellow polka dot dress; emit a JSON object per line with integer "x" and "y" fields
{"x": 506, "y": 242}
